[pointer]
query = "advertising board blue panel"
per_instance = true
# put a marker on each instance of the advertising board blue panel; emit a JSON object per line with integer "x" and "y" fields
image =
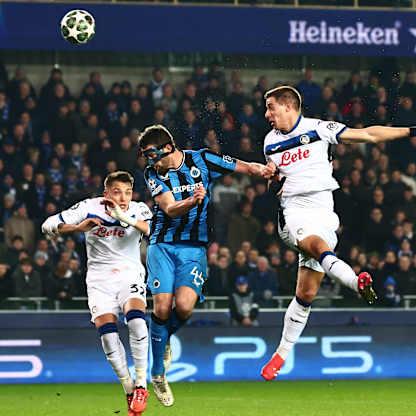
{"x": 214, "y": 354}
{"x": 147, "y": 28}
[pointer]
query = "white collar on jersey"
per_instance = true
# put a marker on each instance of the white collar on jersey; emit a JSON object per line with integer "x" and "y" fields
{"x": 293, "y": 128}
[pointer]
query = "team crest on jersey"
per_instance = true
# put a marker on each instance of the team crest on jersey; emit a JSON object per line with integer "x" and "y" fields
{"x": 195, "y": 172}
{"x": 304, "y": 139}
{"x": 156, "y": 283}
{"x": 152, "y": 184}
{"x": 331, "y": 126}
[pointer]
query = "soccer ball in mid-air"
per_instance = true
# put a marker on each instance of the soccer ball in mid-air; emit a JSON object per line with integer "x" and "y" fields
{"x": 78, "y": 27}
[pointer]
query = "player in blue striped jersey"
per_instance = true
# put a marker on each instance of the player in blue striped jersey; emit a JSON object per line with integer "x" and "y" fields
{"x": 179, "y": 182}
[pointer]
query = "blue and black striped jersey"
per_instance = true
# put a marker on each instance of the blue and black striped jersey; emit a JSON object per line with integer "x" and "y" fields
{"x": 201, "y": 166}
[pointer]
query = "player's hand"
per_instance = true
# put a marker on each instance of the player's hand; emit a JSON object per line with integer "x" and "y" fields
{"x": 268, "y": 170}
{"x": 112, "y": 208}
{"x": 199, "y": 195}
{"x": 88, "y": 224}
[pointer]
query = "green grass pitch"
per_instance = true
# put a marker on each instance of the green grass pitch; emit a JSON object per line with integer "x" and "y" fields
{"x": 280, "y": 398}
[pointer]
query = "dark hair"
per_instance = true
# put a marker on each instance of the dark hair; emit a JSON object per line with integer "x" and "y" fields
{"x": 287, "y": 94}
{"x": 118, "y": 176}
{"x": 157, "y": 135}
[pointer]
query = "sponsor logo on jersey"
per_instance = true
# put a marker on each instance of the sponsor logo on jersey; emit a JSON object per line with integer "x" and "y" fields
{"x": 227, "y": 159}
{"x": 288, "y": 157}
{"x": 188, "y": 188}
{"x": 195, "y": 172}
{"x": 304, "y": 139}
{"x": 109, "y": 232}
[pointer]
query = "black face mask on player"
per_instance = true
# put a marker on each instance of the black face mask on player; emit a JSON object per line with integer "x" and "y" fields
{"x": 154, "y": 154}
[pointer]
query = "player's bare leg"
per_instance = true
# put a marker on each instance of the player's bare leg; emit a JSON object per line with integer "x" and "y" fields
{"x": 162, "y": 309}
{"x": 337, "y": 269}
{"x": 115, "y": 353}
{"x": 295, "y": 320}
{"x": 134, "y": 310}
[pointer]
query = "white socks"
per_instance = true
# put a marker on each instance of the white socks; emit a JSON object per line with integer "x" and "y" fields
{"x": 295, "y": 321}
{"x": 337, "y": 269}
{"x": 139, "y": 344}
{"x": 116, "y": 355}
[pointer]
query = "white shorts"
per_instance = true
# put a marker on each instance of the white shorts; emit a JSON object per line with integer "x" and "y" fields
{"x": 302, "y": 217}
{"x": 109, "y": 290}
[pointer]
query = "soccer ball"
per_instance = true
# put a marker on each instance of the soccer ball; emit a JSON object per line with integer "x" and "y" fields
{"x": 78, "y": 27}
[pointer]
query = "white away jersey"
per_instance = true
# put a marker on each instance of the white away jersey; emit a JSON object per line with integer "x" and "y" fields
{"x": 110, "y": 245}
{"x": 302, "y": 155}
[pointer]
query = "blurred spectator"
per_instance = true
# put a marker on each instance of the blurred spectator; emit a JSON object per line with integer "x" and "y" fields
{"x": 287, "y": 273}
{"x": 376, "y": 231}
{"x": 20, "y": 225}
{"x": 218, "y": 283}
{"x": 390, "y": 297}
{"x": 156, "y": 85}
{"x": 264, "y": 282}
{"x": 6, "y": 281}
{"x": 61, "y": 284}
{"x": 406, "y": 275}
{"x": 242, "y": 226}
{"x": 238, "y": 267}
{"x": 310, "y": 91}
{"x": 27, "y": 281}
{"x": 243, "y": 310}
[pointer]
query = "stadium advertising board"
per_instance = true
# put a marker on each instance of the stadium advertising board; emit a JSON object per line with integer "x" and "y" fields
{"x": 208, "y": 354}
{"x": 213, "y": 29}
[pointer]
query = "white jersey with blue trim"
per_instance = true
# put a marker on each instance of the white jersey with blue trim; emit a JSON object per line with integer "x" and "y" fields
{"x": 303, "y": 155}
{"x": 110, "y": 245}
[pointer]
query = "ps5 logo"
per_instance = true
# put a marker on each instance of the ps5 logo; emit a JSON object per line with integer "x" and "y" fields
{"x": 34, "y": 361}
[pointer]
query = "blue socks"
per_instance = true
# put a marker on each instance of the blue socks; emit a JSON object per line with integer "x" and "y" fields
{"x": 175, "y": 323}
{"x": 159, "y": 335}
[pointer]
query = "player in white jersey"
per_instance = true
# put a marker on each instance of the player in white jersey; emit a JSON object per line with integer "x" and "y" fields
{"x": 115, "y": 275}
{"x": 299, "y": 148}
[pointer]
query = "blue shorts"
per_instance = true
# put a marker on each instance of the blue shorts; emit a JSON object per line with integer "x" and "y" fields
{"x": 170, "y": 266}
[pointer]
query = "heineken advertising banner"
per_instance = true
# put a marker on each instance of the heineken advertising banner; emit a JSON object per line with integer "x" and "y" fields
{"x": 163, "y": 28}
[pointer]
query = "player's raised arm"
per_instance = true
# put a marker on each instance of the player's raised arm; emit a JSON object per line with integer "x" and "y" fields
{"x": 114, "y": 210}
{"x": 375, "y": 134}
{"x": 173, "y": 208}
{"x": 71, "y": 220}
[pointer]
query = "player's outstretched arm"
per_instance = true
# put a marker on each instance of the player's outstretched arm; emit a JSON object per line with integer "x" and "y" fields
{"x": 375, "y": 134}
{"x": 54, "y": 226}
{"x": 256, "y": 169}
{"x": 114, "y": 210}
{"x": 172, "y": 208}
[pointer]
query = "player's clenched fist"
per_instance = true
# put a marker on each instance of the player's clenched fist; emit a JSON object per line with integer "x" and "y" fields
{"x": 88, "y": 224}
{"x": 269, "y": 170}
{"x": 199, "y": 194}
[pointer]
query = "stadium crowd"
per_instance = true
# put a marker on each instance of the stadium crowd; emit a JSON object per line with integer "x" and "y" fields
{"x": 57, "y": 146}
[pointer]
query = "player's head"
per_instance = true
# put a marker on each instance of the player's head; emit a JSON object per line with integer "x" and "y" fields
{"x": 157, "y": 145}
{"x": 118, "y": 186}
{"x": 283, "y": 106}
